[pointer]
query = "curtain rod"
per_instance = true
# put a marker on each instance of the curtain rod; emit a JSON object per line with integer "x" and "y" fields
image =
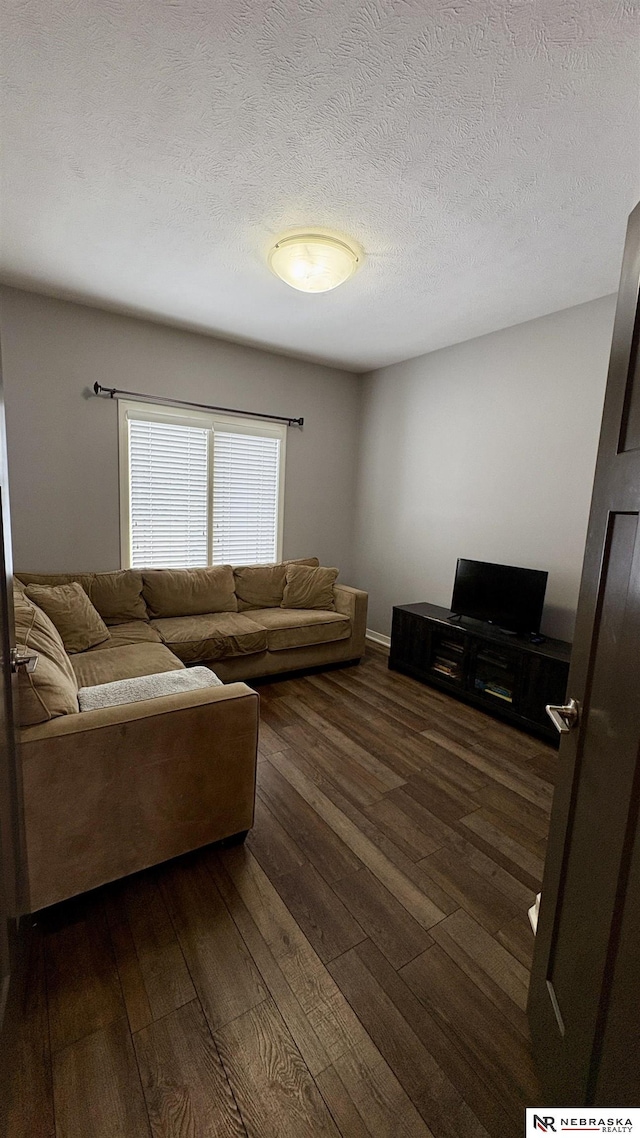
{"x": 115, "y": 393}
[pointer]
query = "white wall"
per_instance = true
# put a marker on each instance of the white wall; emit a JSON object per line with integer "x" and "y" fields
{"x": 63, "y": 446}
{"x": 484, "y": 450}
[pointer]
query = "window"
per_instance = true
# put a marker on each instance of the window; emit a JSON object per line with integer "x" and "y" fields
{"x": 199, "y": 489}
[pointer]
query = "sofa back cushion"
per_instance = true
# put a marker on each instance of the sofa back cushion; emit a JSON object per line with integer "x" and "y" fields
{"x": 309, "y": 588}
{"x": 117, "y": 596}
{"x": 52, "y": 689}
{"x": 189, "y": 592}
{"x": 262, "y": 586}
{"x": 21, "y": 580}
{"x": 68, "y": 606}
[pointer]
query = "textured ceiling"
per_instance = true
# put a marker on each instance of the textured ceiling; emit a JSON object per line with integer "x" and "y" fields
{"x": 482, "y": 152}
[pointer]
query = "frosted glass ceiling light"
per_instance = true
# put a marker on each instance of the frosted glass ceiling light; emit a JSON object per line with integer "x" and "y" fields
{"x": 312, "y": 262}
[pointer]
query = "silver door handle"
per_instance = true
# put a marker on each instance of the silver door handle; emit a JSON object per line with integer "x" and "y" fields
{"x": 23, "y": 660}
{"x": 565, "y": 717}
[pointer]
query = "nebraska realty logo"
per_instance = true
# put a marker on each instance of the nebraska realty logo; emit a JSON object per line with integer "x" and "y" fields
{"x": 582, "y": 1119}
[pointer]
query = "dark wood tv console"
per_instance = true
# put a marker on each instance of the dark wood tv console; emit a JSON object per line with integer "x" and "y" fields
{"x": 509, "y": 676}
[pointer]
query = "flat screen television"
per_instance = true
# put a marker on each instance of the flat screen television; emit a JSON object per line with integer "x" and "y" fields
{"x": 504, "y": 595}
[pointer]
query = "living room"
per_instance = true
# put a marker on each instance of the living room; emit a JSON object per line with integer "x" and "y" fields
{"x": 478, "y": 163}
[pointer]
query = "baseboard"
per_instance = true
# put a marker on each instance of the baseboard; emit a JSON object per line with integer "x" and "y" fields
{"x": 378, "y": 638}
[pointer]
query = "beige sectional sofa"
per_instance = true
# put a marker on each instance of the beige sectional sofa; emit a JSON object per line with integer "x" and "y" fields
{"x": 157, "y": 615}
{"x": 110, "y": 791}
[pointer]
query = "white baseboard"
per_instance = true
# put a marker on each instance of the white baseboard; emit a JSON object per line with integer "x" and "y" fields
{"x": 378, "y": 638}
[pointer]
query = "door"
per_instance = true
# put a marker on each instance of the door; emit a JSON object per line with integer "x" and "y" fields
{"x": 584, "y": 998}
{"x": 10, "y": 859}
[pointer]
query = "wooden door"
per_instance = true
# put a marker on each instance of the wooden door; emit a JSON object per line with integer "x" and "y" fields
{"x": 584, "y": 999}
{"x": 10, "y": 859}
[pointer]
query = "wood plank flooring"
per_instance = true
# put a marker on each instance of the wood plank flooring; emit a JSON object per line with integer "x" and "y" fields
{"x": 358, "y": 968}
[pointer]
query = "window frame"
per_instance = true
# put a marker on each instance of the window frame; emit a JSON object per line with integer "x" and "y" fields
{"x": 208, "y": 420}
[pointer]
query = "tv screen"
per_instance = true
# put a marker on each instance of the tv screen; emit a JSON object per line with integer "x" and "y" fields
{"x": 505, "y": 595}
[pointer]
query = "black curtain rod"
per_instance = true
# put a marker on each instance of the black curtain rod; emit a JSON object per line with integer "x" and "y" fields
{"x": 115, "y": 392}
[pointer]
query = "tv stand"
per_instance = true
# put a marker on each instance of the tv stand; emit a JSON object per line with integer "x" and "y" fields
{"x": 504, "y": 674}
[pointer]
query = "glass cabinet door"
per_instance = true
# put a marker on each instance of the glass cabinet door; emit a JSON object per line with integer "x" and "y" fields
{"x": 496, "y": 674}
{"x": 447, "y": 656}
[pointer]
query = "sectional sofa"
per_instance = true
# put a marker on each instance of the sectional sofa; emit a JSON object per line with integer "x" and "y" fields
{"x": 110, "y": 791}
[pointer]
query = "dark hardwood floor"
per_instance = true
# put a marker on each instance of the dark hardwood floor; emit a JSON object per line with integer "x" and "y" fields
{"x": 359, "y": 968}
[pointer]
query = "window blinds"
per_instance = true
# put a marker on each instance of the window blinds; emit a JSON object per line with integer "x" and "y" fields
{"x": 245, "y": 498}
{"x": 200, "y": 495}
{"x": 168, "y": 495}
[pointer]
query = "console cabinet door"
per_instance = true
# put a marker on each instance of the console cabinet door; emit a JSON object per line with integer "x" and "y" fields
{"x": 410, "y": 642}
{"x": 544, "y": 681}
{"x": 496, "y": 676}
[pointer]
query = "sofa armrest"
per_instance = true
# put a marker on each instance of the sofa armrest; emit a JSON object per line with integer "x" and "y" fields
{"x": 353, "y": 603}
{"x": 86, "y": 721}
{"x": 108, "y": 792}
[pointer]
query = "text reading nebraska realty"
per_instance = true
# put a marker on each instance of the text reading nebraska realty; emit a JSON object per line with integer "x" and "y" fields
{"x": 559, "y": 1120}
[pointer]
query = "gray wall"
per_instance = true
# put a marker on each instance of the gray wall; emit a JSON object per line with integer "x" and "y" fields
{"x": 63, "y": 447}
{"x": 484, "y": 450}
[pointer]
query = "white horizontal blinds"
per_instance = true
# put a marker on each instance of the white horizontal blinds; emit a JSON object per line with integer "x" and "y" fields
{"x": 246, "y": 493}
{"x": 168, "y": 488}
{"x": 199, "y": 489}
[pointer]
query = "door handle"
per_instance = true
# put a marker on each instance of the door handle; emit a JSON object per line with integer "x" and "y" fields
{"x": 565, "y": 716}
{"x": 22, "y": 660}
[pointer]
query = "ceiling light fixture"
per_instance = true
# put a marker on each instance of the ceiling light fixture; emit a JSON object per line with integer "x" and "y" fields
{"x": 313, "y": 262}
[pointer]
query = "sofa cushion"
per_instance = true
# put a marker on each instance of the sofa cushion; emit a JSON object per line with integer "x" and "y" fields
{"x": 299, "y": 628}
{"x": 133, "y": 632}
{"x": 262, "y": 586}
{"x": 83, "y": 579}
{"x": 117, "y": 596}
{"x": 68, "y": 606}
{"x": 50, "y": 690}
{"x": 211, "y": 637}
{"x": 189, "y": 592}
{"x": 309, "y": 588}
{"x": 130, "y": 660}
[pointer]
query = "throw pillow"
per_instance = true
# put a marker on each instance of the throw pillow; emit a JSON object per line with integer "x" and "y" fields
{"x": 309, "y": 588}
{"x": 52, "y": 689}
{"x": 262, "y": 586}
{"x": 70, "y": 610}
